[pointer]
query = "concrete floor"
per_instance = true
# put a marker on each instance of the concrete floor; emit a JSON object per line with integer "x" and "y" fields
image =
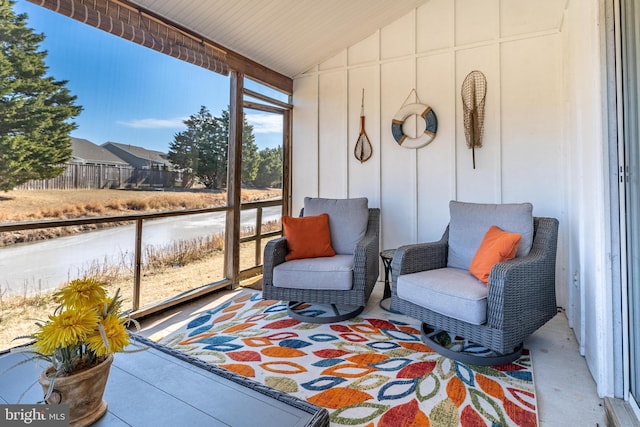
{"x": 565, "y": 389}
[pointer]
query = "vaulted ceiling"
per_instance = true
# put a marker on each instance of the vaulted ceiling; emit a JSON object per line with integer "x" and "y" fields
{"x": 288, "y": 36}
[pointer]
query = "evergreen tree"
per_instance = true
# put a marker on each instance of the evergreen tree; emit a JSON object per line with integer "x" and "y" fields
{"x": 250, "y": 157}
{"x": 202, "y": 150}
{"x": 270, "y": 168}
{"x": 184, "y": 154}
{"x": 35, "y": 109}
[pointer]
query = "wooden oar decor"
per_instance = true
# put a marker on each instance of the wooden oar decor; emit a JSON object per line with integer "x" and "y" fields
{"x": 474, "y": 91}
{"x": 363, "y": 149}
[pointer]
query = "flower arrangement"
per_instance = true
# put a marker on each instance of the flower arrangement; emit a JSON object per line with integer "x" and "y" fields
{"x": 83, "y": 330}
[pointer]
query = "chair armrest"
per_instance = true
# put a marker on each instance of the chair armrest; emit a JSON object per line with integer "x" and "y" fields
{"x": 365, "y": 261}
{"x": 274, "y": 253}
{"x": 419, "y": 257}
{"x": 366, "y": 264}
{"x": 522, "y": 290}
{"x": 368, "y": 242}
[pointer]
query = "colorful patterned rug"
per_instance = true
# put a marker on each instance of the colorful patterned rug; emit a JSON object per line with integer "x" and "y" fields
{"x": 372, "y": 370}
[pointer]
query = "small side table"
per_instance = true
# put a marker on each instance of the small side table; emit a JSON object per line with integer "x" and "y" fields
{"x": 387, "y": 256}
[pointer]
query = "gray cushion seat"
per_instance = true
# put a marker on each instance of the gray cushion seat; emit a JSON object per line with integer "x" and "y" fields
{"x": 449, "y": 291}
{"x": 334, "y": 272}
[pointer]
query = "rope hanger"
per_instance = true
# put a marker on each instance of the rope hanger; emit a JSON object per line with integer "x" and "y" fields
{"x": 407, "y": 98}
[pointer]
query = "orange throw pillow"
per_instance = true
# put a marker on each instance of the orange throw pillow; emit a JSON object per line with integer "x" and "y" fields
{"x": 307, "y": 236}
{"x": 497, "y": 246}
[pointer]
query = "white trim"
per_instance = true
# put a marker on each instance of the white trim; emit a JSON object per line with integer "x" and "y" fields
{"x": 634, "y": 407}
{"x": 621, "y": 370}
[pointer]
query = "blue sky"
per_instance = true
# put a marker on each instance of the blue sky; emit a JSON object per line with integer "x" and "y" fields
{"x": 130, "y": 93}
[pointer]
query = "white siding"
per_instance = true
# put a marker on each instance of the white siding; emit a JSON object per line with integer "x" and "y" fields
{"x": 542, "y": 136}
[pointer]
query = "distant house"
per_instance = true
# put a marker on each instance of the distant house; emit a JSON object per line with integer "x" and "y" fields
{"x": 110, "y": 165}
{"x": 87, "y": 153}
{"x": 139, "y": 157}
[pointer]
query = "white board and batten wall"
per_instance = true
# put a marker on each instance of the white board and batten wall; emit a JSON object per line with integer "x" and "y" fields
{"x": 521, "y": 47}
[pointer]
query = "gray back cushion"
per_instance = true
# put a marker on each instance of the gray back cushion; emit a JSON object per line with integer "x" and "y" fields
{"x": 348, "y": 220}
{"x": 469, "y": 223}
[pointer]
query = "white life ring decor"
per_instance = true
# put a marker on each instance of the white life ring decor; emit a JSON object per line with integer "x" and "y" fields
{"x": 424, "y": 138}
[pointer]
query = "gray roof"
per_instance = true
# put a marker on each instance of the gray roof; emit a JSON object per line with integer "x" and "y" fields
{"x": 156, "y": 157}
{"x": 85, "y": 151}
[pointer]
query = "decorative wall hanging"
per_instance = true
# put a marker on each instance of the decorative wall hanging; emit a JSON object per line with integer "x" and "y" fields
{"x": 417, "y": 109}
{"x": 474, "y": 91}
{"x": 363, "y": 148}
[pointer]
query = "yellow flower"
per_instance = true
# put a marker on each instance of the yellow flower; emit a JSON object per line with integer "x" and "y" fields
{"x": 66, "y": 329}
{"x": 85, "y": 328}
{"x": 111, "y": 337}
{"x": 110, "y": 306}
{"x": 82, "y": 293}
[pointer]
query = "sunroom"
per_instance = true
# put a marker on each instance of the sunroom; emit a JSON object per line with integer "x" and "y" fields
{"x": 560, "y": 129}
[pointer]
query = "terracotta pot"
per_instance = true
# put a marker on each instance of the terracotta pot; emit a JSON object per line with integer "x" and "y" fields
{"x": 82, "y": 391}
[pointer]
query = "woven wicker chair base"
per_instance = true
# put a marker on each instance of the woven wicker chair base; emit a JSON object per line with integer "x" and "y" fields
{"x": 305, "y": 312}
{"x": 487, "y": 358}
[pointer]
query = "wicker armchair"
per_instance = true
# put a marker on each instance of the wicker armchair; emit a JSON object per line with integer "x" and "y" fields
{"x": 296, "y": 281}
{"x": 520, "y": 298}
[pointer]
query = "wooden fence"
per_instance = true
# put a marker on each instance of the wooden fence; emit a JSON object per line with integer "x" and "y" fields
{"x": 80, "y": 176}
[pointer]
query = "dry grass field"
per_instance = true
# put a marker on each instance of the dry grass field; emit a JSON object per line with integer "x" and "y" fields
{"x": 42, "y": 205}
{"x": 166, "y": 274}
{"x": 36, "y": 205}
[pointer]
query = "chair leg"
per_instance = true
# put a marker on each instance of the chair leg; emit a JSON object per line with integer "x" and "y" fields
{"x": 489, "y": 358}
{"x": 305, "y": 312}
